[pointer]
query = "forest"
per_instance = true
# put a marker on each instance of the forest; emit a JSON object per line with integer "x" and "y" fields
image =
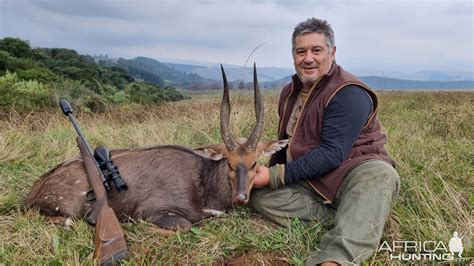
{"x": 35, "y": 78}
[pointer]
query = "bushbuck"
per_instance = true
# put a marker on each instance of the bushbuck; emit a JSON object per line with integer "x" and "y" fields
{"x": 170, "y": 186}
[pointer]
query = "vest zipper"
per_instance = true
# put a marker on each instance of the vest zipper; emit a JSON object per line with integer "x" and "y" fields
{"x": 326, "y": 200}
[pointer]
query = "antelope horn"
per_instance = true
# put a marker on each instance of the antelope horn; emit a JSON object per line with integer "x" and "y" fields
{"x": 252, "y": 141}
{"x": 229, "y": 140}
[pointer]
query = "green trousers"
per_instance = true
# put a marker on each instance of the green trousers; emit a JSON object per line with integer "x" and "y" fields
{"x": 359, "y": 211}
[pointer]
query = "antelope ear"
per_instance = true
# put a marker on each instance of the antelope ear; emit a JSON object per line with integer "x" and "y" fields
{"x": 267, "y": 148}
{"x": 214, "y": 152}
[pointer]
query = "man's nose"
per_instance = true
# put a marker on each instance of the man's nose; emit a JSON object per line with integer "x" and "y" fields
{"x": 308, "y": 59}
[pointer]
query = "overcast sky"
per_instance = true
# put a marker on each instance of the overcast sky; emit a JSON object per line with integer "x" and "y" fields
{"x": 385, "y": 35}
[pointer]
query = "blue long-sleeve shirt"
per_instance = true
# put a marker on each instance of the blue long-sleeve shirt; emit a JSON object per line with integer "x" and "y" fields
{"x": 343, "y": 120}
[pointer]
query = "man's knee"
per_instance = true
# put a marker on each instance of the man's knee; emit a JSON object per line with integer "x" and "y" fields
{"x": 375, "y": 175}
{"x": 390, "y": 178}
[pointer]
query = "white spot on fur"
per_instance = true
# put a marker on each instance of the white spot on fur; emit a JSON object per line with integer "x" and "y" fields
{"x": 57, "y": 209}
{"x": 45, "y": 197}
{"x": 83, "y": 193}
{"x": 78, "y": 181}
{"x": 60, "y": 198}
{"x": 68, "y": 222}
{"x": 213, "y": 212}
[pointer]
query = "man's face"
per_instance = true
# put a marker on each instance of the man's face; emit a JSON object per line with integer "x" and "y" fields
{"x": 312, "y": 57}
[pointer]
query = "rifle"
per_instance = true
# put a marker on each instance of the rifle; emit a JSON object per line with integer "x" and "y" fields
{"x": 109, "y": 241}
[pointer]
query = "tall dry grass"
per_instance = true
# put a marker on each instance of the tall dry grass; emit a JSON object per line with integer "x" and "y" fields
{"x": 430, "y": 137}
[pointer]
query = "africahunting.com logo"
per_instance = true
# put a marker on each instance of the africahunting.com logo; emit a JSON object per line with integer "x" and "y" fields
{"x": 424, "y": 250}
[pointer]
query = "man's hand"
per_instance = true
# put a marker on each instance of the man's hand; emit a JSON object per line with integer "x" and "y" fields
{"x": 262, "y": 177}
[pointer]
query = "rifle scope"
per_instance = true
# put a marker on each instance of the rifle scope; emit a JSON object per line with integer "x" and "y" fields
{"x": 110, "y": 170}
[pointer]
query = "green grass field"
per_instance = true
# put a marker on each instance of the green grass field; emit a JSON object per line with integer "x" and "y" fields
{"x": 431, "y": 137}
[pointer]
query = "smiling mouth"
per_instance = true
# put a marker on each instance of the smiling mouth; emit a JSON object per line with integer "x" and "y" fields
{"x": 309, "y": 70}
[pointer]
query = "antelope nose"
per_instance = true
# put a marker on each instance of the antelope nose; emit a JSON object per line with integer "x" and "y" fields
{"x": 242, "y": 198}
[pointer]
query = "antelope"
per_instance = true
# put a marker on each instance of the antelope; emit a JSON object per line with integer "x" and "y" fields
{"x": 171, "y": 186}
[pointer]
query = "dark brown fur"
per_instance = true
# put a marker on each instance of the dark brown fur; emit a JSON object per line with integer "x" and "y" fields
{"x": 167, "y": 185}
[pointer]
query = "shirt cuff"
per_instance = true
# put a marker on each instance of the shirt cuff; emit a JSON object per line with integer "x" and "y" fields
{"x": 277, "y": 176}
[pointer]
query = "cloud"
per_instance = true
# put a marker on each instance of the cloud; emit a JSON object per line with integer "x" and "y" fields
{"x": 392, "y": 35}
{"x": 82, "y": 8}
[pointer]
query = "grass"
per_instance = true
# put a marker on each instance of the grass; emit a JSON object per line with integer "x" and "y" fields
{"x": 431, "y": 137}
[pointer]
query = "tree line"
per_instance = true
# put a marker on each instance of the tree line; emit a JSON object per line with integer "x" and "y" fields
{"x": 35, "y": 78}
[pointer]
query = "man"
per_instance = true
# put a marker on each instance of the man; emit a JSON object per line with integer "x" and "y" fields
{"x": 335, "y": 166}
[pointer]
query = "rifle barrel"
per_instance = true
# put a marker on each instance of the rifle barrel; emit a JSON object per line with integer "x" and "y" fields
{"x": 67, "y": 110}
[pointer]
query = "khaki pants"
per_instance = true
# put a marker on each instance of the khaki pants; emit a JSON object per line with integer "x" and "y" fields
{"x": 359, "y": 211}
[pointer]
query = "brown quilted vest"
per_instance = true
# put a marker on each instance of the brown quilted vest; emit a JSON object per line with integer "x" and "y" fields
{"x": 369, "y": 145}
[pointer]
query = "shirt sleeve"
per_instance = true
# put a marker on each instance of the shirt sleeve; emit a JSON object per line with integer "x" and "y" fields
{"x": 343, "y": 120}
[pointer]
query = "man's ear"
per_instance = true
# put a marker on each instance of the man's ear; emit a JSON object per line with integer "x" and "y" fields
{"x": 214, "y": 151}
{"x": 267, "y": 148}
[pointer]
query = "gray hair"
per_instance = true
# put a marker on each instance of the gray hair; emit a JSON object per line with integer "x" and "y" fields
{"x": 312, "y": 25}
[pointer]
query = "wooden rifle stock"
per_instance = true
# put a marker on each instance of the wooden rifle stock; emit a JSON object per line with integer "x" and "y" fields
{"x": 109, "y": 241}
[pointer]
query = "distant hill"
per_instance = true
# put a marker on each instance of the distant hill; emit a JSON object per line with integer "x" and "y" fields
{"x": 152, "y": 70}
{"x": 140, "y": 71}
{"x": 427, "y": 75}
{"x": 236, "y": 73}
{"x": 391, "y": 83}
{"x": 376, "y": 82}
{"x": 186, "y": 68}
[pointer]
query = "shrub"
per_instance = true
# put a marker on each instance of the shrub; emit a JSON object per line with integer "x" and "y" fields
{"x": 39, "y": 74}
{"x": 79, "y": 95}
{"x": 22, "y": 95}
{"x": 120, "y": 98}
{"x": 143, "y": 92}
